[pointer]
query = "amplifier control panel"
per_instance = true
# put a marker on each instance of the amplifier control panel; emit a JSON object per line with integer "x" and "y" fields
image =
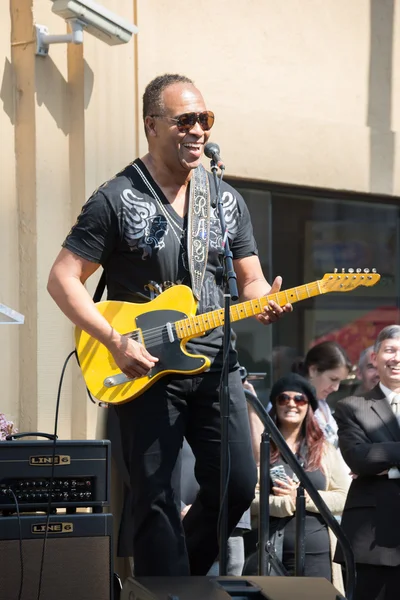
{"x": 65, "y": 490}
{"x": 69, "y": 474}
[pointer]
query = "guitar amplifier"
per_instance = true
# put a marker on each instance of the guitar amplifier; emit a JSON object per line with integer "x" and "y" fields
{"x": 81, "y": 475}
{"x": 78, "y": 559}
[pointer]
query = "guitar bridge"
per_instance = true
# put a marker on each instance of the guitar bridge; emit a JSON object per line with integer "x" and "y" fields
{"x": 114, "y": 380}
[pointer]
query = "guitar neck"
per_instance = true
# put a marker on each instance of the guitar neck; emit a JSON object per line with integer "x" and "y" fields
{"x": 199, "y": 324}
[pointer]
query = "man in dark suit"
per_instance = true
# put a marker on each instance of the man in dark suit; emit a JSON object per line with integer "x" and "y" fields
{"x": 369, "y": 439}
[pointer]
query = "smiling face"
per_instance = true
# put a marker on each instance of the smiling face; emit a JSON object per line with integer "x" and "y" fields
{"x": 179, "y": 151}
{"x": 291, "y": 413}
{"x": 326, "y": 382}
{"x": 387, "y": 362}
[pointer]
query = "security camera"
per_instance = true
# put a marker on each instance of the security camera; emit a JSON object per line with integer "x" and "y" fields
{"x": 84, "y": 15}
{"x": 96, "y": 20}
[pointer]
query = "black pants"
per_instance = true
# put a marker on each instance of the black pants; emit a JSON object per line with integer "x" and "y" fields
{"x": 315, "y": 565}
{"x": 152, "y": 429}
{"x": 377, "y": 583}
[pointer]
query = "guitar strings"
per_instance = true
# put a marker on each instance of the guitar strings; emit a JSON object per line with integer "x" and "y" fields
{"x": 152, "y": 336}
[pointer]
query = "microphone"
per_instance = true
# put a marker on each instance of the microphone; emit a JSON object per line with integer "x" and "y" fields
{"x": 211, "y": 150}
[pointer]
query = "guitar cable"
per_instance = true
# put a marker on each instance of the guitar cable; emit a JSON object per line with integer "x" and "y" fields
{"x": 93, "y": 400}
{"x": 55, "y": 437}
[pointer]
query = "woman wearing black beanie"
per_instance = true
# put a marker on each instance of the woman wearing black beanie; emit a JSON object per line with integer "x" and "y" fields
{"x": 293, "y": 402}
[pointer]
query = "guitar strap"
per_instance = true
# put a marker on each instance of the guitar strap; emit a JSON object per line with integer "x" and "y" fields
{"x": 198, "y": 228}
{"x": 101, "y": 285}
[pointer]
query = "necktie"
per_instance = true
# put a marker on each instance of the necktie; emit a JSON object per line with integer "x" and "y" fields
{"x": 395, "y": 404}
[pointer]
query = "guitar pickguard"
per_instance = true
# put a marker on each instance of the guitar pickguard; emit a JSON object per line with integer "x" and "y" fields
{"x": 170, "y": 354}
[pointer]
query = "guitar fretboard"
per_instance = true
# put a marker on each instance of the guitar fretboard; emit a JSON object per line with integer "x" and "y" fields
{"x": 199, "y": 324}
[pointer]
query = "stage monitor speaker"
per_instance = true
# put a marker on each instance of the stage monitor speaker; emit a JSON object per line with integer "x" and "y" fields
{"x": 224, "y": 588}
{"x": 78, "y": 562}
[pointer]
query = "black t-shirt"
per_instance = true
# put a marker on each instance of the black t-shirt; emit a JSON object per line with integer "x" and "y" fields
{"x": 129, "y": 227}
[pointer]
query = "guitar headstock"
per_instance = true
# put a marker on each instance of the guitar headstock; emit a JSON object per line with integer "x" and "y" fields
{"x": 346, "y": 281}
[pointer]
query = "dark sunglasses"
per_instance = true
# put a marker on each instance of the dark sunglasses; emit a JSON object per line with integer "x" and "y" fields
{"x": 187, "y": 121}
{"x": 284, "y": 399}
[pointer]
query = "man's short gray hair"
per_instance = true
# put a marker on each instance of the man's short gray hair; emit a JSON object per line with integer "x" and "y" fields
{"x": 390, "y": 332}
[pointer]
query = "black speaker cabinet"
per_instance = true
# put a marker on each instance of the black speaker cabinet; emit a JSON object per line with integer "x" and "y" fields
{"x": 224, "y": 588}
{"x": 78, "y": 561}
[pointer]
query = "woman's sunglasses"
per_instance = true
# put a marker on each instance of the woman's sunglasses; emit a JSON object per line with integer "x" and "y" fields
{"x": 284, "y": 399}
{"x": 187, "y": 121}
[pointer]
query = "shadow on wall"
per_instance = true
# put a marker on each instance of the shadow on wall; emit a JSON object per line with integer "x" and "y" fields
{"x": 7, "y": 91}
{"x": 52, "y": 90}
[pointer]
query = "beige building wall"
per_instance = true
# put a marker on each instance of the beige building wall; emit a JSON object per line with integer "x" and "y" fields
{"x": 65, "y": 127}
{"x": 304, "y": 92}
{"x": 9, "y": 239}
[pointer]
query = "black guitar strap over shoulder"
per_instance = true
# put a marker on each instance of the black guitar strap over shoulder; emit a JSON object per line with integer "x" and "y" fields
{"x": 101, "y": 286}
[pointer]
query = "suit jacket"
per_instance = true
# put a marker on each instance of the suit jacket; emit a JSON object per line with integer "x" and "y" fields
{"x": 369, "y": 439}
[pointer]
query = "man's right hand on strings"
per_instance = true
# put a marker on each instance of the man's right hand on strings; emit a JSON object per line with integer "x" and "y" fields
{"x": 132, "y": 357}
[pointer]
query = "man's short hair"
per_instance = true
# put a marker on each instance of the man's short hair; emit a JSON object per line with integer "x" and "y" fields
{"x": 388, "y": 333}
{"x": 363, "y": 357}
{"x": 152, "y": 97}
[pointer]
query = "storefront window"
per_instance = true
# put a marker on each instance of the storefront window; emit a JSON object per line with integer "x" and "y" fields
{"x": 302, "y": 236}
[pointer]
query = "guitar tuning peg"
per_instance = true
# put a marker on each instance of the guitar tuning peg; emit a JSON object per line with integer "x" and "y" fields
{"x": 366, "y": 270}
{"x": 373, "y": 270}
{"x": 358, "y": 270}
{"x": 343, "y": 270}
{"x": 351, "y": 270}
{"x": 335, "y": 270}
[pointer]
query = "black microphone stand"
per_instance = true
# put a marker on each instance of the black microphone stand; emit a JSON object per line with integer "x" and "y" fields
{"x": 230, "y": 293}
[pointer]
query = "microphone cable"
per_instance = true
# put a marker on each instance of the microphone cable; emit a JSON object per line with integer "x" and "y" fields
{"x": 225, "y": 366}
{"x": 52, "y": 472}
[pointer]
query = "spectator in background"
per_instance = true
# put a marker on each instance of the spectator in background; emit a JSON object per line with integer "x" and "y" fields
{"x": 293, "y": 404}
{"x": 367, "y": 372}
{"x": 325, "y": 366}
{"x": 369, "y": 438}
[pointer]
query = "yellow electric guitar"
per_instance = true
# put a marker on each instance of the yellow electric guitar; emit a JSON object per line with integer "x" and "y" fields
{"x": 165, "y": 324}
